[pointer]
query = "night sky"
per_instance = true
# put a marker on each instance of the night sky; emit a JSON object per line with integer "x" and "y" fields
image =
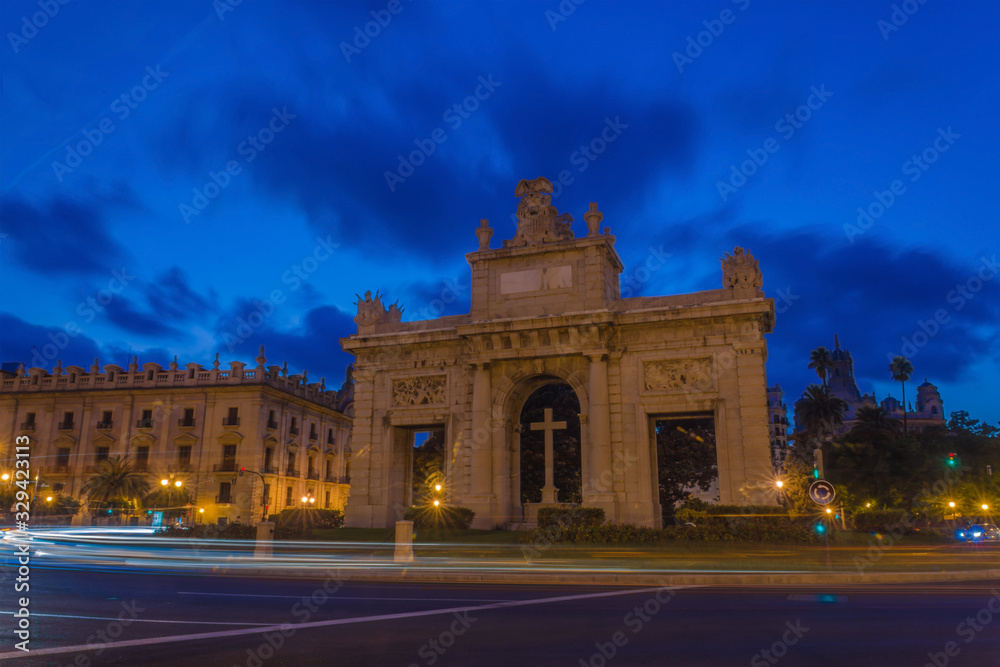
{"x": 200, "y": 159}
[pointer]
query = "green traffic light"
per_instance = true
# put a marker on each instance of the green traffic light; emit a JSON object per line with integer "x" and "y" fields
{"x": 816, "y": 473}
{"x": 820, "y": 528}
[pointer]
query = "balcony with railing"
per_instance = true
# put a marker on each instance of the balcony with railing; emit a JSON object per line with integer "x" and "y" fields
{"x": 105, "y": 425}
{"x": 230, "y": 421}
{"x": 312, "y": 474}
{"x": 270, "y": 470}
{"x": 227, "y": 465}
{"x": 27, "y": 426}
{"x": 185, "y": 423}
{"x": 271, "y": 424}
{"x": 66, "y": 425}
{"x": 313, "y": 435}
{"x": 184, "y": 466}
{"x": 293, "y": 430}
{"x": 224, "y": 499}
{"x": 144, "y": 423}
{"x": 292, "y": 472}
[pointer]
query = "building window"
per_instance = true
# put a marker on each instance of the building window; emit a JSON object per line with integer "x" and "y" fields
{"x": 312, "y": 466}
{"x": 329, "y": 437}
{"x": 271, "y": 423}
{"x": 58, "y": 487}
{"x": 934, "y": 410}
{"x": 146, "y": 421}
{"x": 184, "y": 455}
{"x": 62, "y": 457}
{"x": 228, "y": 457}
{"x": 67, "y": 422}
{"x": 291, "y": 465}
{"x": 312, "y": 431}
{"x": 225, "y": 493}
{"x": 233, "y": 419}
{"x": 288, "y": 496}
{"x": 142, "y": 458}
{"x": 329, "y": 468}
{"x": 188, "y": 419}
{"x": 102, "y": 454}
{"x": 294, "y": 427}
{"x": 326, "y": 500}
{"x": 268, "y": 459}
{"x": 107, "y": 419}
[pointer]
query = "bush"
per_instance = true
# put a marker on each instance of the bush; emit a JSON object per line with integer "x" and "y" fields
{"x": 882, "y": 521}
{"x": 551, "y": 517}
{"x": 295, "y": 524}
{"x": 200, "y": 531}
{"x": 748, "y": 530}
{"x": 459, "y": 518}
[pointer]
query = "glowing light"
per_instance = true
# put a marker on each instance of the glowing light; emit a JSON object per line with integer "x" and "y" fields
{"x": 202, "y": 510}
{"x": 304, "y": 499}
{"x": 436, "y": 503}
{"x": 165, "y": 482}
{"x": 48, "y": 499}
{"x": 312, "y": 500}
{"x": 437, "y": 487}
{"x": 985, "y": 506}
{"x": 868, "y": 504}
{"x": 829, "y": 511}
{"x": 779, "y": 484}
{"x": 951, "y": 503}
{"x": 5, "y": 476}
{"x": 178, "y": 483}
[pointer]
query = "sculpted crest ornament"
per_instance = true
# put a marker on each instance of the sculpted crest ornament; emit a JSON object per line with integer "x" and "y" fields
{"x": 372, "y": 312}
{"x": 740, "y": 269}
{"x": 538, "y": 221}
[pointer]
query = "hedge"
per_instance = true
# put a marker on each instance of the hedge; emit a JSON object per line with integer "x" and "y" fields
{"x": 749, "y": 530}
{"x": 552, "y": 517}
{"x": 882, "y": 521}
{"x": 203, "y": 531}
{"x": 459, "y": 518}
{"x": 294, "y": 524}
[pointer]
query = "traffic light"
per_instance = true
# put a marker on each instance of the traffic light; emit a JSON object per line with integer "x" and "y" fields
{"x": 952, "y": 459}
{"x": 820, "y": 528}
{"x": 241, "y": 471}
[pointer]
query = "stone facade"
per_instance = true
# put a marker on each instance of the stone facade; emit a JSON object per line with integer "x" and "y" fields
{"x": 195, "y": 425}
{"x": 777, "y": 424}
{"x": 546, "y": 307}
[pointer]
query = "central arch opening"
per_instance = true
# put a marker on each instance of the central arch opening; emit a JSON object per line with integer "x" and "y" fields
{"x": 551, "y": 411}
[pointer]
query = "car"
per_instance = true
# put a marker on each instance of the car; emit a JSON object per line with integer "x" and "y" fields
{"x": 978, "y": 533}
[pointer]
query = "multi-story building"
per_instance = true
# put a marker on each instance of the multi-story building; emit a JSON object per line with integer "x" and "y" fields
{"x": 197, "y": 426}
{"x": 777, "y": 424}
{"x": 840, "y": 380}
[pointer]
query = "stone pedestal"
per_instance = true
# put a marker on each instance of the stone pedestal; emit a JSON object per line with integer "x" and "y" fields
{"x": 404, "y": 542}
{"x": 265, "y": 540}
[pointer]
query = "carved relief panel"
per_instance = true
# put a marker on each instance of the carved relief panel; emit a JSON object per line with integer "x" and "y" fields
{"x": 679, "y": 375}
{"x": 424, "y": 390}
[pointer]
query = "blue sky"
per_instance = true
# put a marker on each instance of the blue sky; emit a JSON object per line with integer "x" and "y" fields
{"x": 290, "y": 122}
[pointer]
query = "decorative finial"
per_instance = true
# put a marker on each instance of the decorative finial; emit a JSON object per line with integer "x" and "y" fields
{"x": 836, "y": 341}
{"x": 260, "y": 356}
{"x": 593, "y": 218}
{"x": 173, "y": 364}
{"x": 284, "y": 370}
{"x": 215, "y": 364}
{"x": 484, "y": 233}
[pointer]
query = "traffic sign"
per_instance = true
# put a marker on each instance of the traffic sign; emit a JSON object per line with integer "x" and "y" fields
{"x": 822, "y": 492}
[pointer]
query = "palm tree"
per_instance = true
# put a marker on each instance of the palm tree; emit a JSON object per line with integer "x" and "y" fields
{"x": 901, "y": 370}
{"x": 819, "y": 413}
{"x": 875, "y": 417}
{"x": 821, "y": 361}
{"x": 115, "y": 480}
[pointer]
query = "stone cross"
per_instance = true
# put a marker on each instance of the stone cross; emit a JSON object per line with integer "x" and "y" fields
{"x": 549, "y": 491}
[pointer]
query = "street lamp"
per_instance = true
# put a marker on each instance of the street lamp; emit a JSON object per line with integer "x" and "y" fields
{"x": 779, "y": 484}
{"x": 951, "y": 503}
{"x": 985, "y": 506}
{"x": 5, "y": 476}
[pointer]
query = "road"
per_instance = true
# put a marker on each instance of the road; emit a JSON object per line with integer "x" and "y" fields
{"x": 164, "y": 619}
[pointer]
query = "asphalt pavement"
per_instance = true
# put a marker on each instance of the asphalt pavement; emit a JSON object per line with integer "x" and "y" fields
{"x": 84, "y": 617}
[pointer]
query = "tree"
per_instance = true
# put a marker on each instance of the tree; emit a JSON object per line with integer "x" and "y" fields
{"x": 820, "y": 360}
{"x": 686, "y": 458}
{"x": 901, "y": 370}
{"x": 115, "y": 483}
{"x": 819, "y": 413}
{"x": 875, "y": 418}
{"x": 170, "y": 500}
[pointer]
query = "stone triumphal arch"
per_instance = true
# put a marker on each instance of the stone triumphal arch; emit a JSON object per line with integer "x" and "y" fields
{"x": 547, "y": 308}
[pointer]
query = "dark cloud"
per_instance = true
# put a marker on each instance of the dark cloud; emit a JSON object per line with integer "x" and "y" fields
{"x": 123, "y": 314}
{"x": 171, "y": 297}
{"x": 67, "y": 237}
{"x": 42, "y": 346}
